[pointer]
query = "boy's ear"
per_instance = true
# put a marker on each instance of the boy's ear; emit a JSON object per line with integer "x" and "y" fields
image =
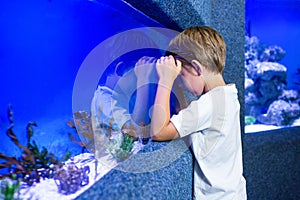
{"x": 196, "y": 64}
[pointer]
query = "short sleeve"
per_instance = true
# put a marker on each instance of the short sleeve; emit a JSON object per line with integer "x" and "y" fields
{"x": 196, "y": 117}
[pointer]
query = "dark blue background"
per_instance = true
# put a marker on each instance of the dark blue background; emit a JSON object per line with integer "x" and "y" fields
{"x": 277, "y": 22}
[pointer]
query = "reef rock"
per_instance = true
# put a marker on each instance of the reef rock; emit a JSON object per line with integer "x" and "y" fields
{"x": 273, "y": 53}
{"x": 280, "y": 113}
{"x": 268, "y": 91}
{"x": 265, "y": 83}
{"x": 290, "y": 96}
{"x": 248, "y": 85}
{"x": 268, "y": 71}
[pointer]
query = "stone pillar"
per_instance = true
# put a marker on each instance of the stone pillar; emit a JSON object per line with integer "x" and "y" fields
{"x": 228, "y": 18}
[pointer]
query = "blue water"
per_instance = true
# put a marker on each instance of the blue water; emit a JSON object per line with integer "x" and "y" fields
{"x": 277, "y": 22}
{"x": 43, "y": 44}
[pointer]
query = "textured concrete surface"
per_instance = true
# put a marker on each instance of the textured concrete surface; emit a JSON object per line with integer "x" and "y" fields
{"x": 160, "y": 180}
{"x": 272, "y": 163}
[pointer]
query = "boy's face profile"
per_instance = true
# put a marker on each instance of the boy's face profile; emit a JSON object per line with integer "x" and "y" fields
{"x": 194, "y": 84}
{"x": 191, "y": 77}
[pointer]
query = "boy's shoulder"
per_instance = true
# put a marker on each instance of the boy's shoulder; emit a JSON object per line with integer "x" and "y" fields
{"x": 217, "y": 94}
{"x": 226, "y": 89}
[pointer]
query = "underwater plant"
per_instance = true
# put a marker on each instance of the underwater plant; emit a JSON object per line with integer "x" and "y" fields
{"x": 120, "y": 146}
{"x": 83, "y": 128}
{"x": 33, "y": 163}
{"x": 69, "y": 178}
{"x": 119, "y": 143}
{"x": 9, "y": 188}
{"x": 249, "y": 120}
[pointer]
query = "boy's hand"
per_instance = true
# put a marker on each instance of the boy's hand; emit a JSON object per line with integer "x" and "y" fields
{"x": 167, "y": 70}
{"x": 144, "y": 70}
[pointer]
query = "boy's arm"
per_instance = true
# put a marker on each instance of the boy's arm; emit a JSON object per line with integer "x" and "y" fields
{"x": 140, "y": 112}
{"x": 143, "y": 70}
{"x": 161, "y": 127}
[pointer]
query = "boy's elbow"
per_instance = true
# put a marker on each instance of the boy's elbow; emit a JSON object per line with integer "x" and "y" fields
{"x": 164, "y": 136}
{"x": 157, "y": 137}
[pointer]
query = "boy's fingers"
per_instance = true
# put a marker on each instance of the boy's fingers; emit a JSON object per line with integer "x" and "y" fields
{"x": 152, "y": 59}
{"x": 159, "y": 60}
{"x": 178, "y": 63}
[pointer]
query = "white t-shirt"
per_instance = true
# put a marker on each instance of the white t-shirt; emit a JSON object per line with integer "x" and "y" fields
{"x": 213, "y": 123}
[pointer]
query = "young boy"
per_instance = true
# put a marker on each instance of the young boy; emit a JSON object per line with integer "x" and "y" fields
{"x": 212, "y": 121}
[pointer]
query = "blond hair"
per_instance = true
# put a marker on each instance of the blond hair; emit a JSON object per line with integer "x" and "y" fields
{"x": 202, "y": 43}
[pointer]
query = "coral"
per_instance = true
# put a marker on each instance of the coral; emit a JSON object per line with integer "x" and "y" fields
{"x": 33, "y": 163}
{"x": 69, "y": 178}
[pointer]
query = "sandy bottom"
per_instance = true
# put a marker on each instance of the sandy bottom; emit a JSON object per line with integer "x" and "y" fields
{"x": 259, "y": 127}
{"x": 47, "y": 189}
{"x": 262, "y": 127}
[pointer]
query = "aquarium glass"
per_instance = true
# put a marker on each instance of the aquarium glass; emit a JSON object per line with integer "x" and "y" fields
{"x": 43, "y": 45}
{"x": 272, "y": 66}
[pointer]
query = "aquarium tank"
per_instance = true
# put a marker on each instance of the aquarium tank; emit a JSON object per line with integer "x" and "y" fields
{"x": 272, "y": 67}
{"x": 43, "y": 45}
